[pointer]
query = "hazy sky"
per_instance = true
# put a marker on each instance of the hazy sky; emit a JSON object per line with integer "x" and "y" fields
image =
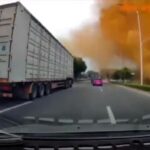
{"x": 59, "y": 16}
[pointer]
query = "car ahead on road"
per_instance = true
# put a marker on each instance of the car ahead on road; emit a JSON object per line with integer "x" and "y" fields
{"x": 97, "y": 82}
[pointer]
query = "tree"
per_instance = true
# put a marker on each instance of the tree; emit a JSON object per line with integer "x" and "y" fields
{"x": 79, "y": 66}
{"x": 92, "y": 74}
{"x": 117, "y": 75}
{"x": 123, "y": 74}
{"x": 126, "y": 73}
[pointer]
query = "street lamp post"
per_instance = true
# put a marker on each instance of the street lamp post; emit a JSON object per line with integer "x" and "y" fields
{"x": 140, "y": 45}
{"x": 141, "y": 48}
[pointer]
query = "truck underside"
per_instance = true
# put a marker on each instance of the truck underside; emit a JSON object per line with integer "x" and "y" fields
{"x": 32, "y": 90}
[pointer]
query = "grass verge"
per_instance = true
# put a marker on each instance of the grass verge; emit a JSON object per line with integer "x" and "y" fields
{"x": 137, "y": 86}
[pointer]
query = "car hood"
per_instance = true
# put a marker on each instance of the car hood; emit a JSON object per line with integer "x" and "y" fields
{"x": 92, "y": 128}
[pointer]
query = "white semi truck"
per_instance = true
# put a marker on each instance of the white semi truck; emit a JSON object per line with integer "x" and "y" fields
{"x": 32, "y": 60}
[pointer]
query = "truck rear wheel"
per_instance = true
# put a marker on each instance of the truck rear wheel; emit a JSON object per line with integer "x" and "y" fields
{"x": 66, "y": 84}
{"x": 34, "y": 92}
{"x": 70, "y": 83}
{"x": 47, "y": 89}
{"x": 41, "y": 90}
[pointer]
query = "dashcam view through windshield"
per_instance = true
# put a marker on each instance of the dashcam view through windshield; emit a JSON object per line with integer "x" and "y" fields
{"x": 70, "y": 66}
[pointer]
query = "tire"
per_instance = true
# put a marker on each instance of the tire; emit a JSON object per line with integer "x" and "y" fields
{"x": 34, "y": 92}
{"x": 41, "y": 90}
{"x": 70, "y": 83}
{"x": 47, "y": 89}
{"x": 66, "y": 84}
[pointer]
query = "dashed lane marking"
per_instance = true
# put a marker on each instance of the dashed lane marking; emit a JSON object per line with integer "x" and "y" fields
{"x": 101, "y": 89}
{"x": 111, "y": 115}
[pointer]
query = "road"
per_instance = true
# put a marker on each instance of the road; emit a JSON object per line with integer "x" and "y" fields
{"x": 83, "y": 104}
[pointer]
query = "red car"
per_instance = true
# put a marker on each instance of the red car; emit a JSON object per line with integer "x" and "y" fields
{"x": 97, "y": 82}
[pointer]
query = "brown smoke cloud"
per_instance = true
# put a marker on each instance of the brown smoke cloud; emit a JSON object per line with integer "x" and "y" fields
{"x": 113, "y": 35}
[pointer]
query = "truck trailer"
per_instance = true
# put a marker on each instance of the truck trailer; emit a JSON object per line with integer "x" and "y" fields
{"x": 32, "y": 60}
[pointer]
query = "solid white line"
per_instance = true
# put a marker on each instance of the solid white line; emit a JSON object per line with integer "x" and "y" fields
{"x": 14, "y": 107}
{"x": 111, "y": 115}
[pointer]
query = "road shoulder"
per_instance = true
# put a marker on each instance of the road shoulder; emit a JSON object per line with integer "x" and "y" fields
{"x": 144, "y": 93}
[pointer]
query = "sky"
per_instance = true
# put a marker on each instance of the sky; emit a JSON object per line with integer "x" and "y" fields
{"x": 59, "y": 16}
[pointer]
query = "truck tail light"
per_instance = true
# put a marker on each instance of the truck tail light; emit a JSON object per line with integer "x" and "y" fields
{"x": 6, "y": 88}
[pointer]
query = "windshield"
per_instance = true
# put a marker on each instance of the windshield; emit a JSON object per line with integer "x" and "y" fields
{"x": 75, "y": 62}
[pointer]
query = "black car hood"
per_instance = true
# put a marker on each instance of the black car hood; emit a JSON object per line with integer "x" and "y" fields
{"x": 92, "y": 128}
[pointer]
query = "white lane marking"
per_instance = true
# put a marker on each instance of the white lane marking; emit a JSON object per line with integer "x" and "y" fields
{"x": 105, "y": 147}
{"x": 86, "y": 148}
{"x": 103, "y": 121}
{"x": 85, "y": 121}
{"x": 65, "y": 120}
{"x": 122, "y": 120}
{"x": 29, "y": 117}
{"x": 61, "y": 148}
{"x": 14, "y": 107}
{"x": 146, "y": 144}
{"x": 47, "y": 119}
{"x": 122, "y": 145}
{"x": 111, "y": 115}
{"x": 145, "y": 117}
{"x": 101, "y": 89}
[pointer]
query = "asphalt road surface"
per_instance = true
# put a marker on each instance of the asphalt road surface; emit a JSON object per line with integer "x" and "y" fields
{"x": 82, "y": 103}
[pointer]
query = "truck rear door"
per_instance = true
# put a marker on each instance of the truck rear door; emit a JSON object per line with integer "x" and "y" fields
{"x": 7, "y": 17}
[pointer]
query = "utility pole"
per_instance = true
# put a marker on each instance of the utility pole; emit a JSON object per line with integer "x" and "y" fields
{"x": 141, "y": 48}
{"x": 141, "y": 41}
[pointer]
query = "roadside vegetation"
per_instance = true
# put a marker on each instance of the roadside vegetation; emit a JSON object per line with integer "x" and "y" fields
{"x": 126, "y": 77}
{"x": 79, "y": 67}
{"x": 137, "y": 86}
